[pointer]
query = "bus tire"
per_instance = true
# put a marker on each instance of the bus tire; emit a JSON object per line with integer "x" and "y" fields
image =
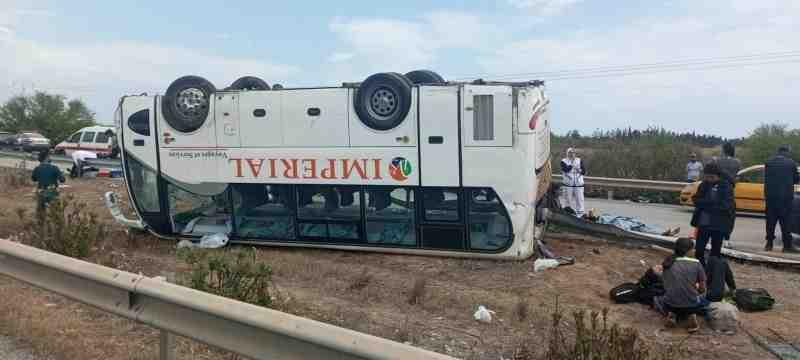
{"x": 383, "y": 100}
{"x": 249, "y": 83}
{"x": 186, "y": 103}
{"x": 418, "y": 77}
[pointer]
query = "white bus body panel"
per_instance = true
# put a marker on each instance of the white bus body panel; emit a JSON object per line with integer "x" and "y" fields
{"x": 139, "y": 146}
{"x": 328, "y": 129}
{"x": 363, "y": 166}
{"x": 226, "y": 115}
{"x": 438, "y": 120}
{"x": 260, "y": 131}
{"x": 502, "y": 115}
{"x": 404, "y": 135}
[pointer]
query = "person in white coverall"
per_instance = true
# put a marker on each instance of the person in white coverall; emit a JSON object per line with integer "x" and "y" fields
{"x": 78, "y": 158}
{"x": 573, "y": 170}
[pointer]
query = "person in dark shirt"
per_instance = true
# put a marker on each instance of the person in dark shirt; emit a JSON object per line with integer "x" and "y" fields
{"x": 719, "y": 275}
{"x": 712, "y": 216}
{"x": 47, "y": 176}
{"x": 780, "y": 176}
{"x": 684, "y": 282}
{"x": 729, "y": 167}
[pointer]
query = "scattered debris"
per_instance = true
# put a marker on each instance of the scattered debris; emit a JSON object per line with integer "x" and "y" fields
{"x": 544, "y": 264}
{"x": 211, "y": 241}
{"x": 724, "y": 317}
{"x": 484, "y": 315}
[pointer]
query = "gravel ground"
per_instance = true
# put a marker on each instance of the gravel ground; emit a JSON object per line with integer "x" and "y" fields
{"x": 10, "y": 351}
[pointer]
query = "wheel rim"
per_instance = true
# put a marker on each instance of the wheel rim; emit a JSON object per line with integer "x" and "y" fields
{"x": 383, "y": 103}
{"x": 192, "y": 103}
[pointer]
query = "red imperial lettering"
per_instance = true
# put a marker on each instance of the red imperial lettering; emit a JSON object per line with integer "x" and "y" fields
{"x": 255, "y": 168}
{"x": 329, "y": 172}
{"x": 290, "y": 169}
{"x": 378, "y": 167}
{"x": 357, "y": 166}
{"x": 309, "y": 168}
{"x": 238, "y": 168}
{"x": 272, "y": 172}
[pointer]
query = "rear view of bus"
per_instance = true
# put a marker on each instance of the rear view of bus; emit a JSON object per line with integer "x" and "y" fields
{"x": 397, "y": 163}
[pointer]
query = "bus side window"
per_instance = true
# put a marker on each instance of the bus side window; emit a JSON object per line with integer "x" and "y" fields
{"x": 441, "y": 205}
{"x": 264, "y": 211}
{"x": 332, "y": 212}
{"x": 390, "y": 216}
{"x": 489, "y": 226}
{"x": 198, "y": 215}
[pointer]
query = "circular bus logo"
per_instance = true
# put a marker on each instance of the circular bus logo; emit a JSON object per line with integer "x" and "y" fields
{"x": 400, "y": 168}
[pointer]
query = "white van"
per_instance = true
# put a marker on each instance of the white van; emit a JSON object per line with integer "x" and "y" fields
{"x": 92, "y": 138}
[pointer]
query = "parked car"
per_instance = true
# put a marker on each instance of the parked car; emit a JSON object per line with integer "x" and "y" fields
{"x": 6, "y": 139}
{"x": 31, "y": 141}
{"x": 92, "y": 138}
{"x": 749, "y": 192}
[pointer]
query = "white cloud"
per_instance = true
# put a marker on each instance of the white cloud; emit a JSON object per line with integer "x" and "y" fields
{"x": 543, "y": 7}
{"x": 339, "y": 57}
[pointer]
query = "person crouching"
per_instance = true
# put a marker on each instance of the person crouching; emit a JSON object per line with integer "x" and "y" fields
{"x": 684, "y": 282}
{"x": 714, "y": 207}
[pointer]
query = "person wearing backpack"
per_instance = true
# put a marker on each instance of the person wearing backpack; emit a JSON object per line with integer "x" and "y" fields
{"x": 684, "y": 282}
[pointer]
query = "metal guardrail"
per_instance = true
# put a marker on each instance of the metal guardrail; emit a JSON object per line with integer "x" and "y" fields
{"x": 672, "y": 186}
{"x": 58, "y": 159}
{"x": 248, "y": 330}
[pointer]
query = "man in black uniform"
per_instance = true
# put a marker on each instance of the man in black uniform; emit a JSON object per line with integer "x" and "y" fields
{"x": 780, "y": 177}
{"x": 47, "y": 176}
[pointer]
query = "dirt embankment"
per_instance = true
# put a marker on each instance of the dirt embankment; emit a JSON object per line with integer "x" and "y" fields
{"x": 428, "y": 302}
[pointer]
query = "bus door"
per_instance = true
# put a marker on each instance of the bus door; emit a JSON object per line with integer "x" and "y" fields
{"x": 140, "y": 159}
{"x": 441, "y": 214}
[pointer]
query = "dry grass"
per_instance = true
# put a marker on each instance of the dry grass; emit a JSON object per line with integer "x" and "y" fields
{"x": 18, "y": 177}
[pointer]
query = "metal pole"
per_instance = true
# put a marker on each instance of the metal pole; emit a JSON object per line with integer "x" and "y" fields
{"x": 610, "y": 194}
{"x": 166, "y": 339}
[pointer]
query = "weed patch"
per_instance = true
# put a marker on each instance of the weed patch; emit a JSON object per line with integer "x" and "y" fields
{"x": 65, "y": 227}
{"x": 417, "y": 294}
{"x": 235, "y": 274}
{"x": 19, "y": 176}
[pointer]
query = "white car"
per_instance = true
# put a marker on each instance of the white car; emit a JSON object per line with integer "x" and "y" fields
{"x": 92, "y": 138}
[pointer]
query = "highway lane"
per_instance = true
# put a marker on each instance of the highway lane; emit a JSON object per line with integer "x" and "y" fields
{"x": 748, "y": 235}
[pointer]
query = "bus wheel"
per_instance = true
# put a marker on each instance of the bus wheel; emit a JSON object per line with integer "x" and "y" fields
{"x": 425, "y": 77}
{"x": 249, "y": 83}
{"x": 383, "y": 100}
{"x": 186, "y": 103}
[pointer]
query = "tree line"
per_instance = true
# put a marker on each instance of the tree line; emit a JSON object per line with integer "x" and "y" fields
{"x": 659, "y": 154}
{"x": 51, "y": 115}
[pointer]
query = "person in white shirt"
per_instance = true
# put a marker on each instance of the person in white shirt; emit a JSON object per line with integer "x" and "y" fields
{"x": 573, "y": 169}
{"x": 694, "y": 169}
{"x": 79, "y": 157}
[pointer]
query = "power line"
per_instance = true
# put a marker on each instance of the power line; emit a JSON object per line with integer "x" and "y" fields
{"x": 646, "y": 66}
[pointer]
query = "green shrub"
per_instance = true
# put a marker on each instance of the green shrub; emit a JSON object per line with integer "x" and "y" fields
{"x": 235, "y": 274}
{"x": 66, "y": 227}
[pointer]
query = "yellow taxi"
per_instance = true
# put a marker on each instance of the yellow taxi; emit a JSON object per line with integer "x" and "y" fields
{"x": 749, "y": 190}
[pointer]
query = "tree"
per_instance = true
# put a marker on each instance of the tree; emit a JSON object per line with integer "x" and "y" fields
{"x": 764, "y": 141}
{"x": 51, "y": 115}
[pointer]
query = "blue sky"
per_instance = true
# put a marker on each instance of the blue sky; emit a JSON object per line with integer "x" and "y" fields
{"x": 101, "y": 50}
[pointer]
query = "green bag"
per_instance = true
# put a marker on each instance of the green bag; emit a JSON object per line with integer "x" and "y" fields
{"x": 754, "y": 299}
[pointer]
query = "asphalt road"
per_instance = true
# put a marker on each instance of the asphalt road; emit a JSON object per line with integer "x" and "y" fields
{"x": 747, "y": 236}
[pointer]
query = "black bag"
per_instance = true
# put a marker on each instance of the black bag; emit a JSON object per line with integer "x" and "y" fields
{"x": 650, "y": 286}
{"x": 754, "y": 299}
{"x": 625, "y": 294}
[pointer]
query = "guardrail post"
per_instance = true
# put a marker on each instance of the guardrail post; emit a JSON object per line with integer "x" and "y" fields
{"x": 610, "y": 194}
{"x": 166, "y": 347}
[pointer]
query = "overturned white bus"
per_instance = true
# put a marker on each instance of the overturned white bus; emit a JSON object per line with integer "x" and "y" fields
{"x": 397, "y": 163}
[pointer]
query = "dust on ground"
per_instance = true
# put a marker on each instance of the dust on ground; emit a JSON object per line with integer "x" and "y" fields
{"x": 371, "y": 292}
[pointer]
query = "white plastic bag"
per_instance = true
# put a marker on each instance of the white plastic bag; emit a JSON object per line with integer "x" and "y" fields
{"x": 210, "y": 241}
{"x": 544, "y": 264}
{"x": 483, "y": 314}
{"x": 724, "y": 317}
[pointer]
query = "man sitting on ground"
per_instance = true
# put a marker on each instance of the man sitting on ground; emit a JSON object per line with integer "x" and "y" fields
{"x": 684, "y": 281}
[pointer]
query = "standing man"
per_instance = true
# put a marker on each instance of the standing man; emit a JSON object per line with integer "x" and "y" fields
{"x": 573, "y": 170}
{"x": 693, "y": 169}
{"x": 780, "y": 177}
{"x": 729, "y": 166}
{"x": 47, "y": 176}
{"x": 114, "y": 144}
{"x": 712, "y": 214}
